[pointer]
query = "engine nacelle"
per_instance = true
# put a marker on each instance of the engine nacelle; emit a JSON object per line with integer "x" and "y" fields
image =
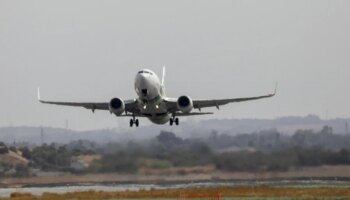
{"x": 116, "y": 106}
{"x": 185, "y": 104}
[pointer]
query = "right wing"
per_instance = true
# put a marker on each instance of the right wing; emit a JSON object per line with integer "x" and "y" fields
{"x": 219, "y": 102}
{"x": 130, "y": 105}
{"x": 203, "y": 103}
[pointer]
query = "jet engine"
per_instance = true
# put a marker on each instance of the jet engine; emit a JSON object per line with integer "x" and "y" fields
{"x": 116, "y": 106}
{"x": 184, "y": 104}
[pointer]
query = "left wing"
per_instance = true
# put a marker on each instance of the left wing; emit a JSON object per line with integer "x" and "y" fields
{"x": 130, "y": 105}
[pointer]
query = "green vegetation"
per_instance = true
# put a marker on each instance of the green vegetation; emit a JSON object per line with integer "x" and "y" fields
{"x": 280, "y": 160}
{"x": 49, "y": 157}
{"x": 264, "y": 151}
{"x": 3, "y": 148}
{"x": 170, "y": 150}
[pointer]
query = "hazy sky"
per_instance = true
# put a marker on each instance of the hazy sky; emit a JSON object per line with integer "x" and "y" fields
{"x": 91, "y": 50}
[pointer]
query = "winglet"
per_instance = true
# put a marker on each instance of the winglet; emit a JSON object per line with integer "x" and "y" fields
{"x": 276, "y": 85}
{"x": 39, "y": 98}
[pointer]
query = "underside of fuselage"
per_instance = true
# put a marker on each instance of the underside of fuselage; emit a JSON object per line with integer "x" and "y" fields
{"x": 160, "y": 118}
{"x": 156, "y": 112}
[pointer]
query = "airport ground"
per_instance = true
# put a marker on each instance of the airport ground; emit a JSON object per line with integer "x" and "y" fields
{"x": 325, "y": 182}
{"x": 181, "y": 174}
{"x": 264, "y": 190}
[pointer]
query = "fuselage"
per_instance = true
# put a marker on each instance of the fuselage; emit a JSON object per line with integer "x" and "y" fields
{"x": 150, "y": 95}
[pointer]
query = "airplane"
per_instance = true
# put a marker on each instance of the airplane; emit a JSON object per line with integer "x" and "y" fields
{"x": 153, "y": 103}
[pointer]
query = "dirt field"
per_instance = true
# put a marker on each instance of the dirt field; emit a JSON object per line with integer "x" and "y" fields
{"x": 222, "y": 192}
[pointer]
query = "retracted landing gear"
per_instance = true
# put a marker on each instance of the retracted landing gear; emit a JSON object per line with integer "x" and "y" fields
{"x": 174, "y": 119}
{"x": 134, "y": 121}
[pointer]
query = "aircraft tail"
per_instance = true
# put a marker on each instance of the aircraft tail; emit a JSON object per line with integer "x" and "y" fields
{"x": 163, "y": 79}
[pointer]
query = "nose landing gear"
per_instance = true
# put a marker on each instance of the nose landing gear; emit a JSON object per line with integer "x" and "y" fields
{"x": 174, "y": 120}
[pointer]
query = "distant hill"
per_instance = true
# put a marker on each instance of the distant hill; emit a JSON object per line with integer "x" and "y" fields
{"x": 285, "y": 125}
{"x": 33, "y": 135}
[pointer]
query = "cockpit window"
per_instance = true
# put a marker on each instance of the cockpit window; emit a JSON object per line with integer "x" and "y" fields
{"x": 145, "y": 72}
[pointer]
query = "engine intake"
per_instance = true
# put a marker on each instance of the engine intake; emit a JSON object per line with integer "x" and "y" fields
{"x": 184, "y": 104}
{"x": 116, "y": 106}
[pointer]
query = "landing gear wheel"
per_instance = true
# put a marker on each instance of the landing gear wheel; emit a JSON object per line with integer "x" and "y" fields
{"x": 177, "y": 121}
{"x": 137, "y": 123}
{"x": 171, "y": 121}
{"x": 131, "y": 122}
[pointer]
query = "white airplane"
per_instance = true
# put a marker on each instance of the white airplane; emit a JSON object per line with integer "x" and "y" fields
{"x": 153, "y": 103}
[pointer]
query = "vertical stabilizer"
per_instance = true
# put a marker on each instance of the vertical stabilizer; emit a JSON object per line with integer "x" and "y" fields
{"x": 163, "y": 78}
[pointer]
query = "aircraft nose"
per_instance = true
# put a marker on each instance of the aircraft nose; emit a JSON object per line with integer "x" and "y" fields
{"x": 143, "y": 79}
{"x": 143, "y": 84}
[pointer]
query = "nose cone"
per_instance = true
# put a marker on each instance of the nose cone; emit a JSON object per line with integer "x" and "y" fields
{"x": 143, "y": 82}
{"x": 142, "y": 85}
{"x": 142, "y": 78}
{"x": 147, "y": 85}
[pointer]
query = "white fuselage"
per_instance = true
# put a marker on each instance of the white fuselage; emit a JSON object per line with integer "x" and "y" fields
{"x": 149, "y": 90}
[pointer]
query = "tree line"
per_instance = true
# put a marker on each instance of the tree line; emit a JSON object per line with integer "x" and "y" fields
{"x": 270, "y": 151}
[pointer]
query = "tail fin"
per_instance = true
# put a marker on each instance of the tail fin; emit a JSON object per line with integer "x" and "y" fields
{"x": 163, "y": 78}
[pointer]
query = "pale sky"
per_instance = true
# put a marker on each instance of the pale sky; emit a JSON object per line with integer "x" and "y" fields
{"x": 86, "y": 50}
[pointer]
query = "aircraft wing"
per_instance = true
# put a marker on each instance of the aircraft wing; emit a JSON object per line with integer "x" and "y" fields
{"x": 203, "y": 103}
{"x": 130, "y": 105}
{"x": 219, "y": 102}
